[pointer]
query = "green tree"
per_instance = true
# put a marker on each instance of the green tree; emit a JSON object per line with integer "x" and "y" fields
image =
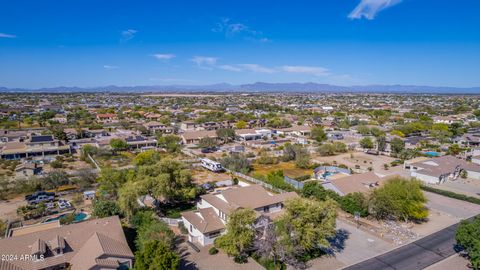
{"x": 156, "y": 255}
{"x": 467, "y": 236}
{"x": 315, "y": 190}
{"x": 118, "y": 144}
{"x": 366, "y": 143}
{"x": 355, "y": 203}
{"x": 304, "y": 228}
{"x": 170, "y": 142}
{"x": 127, "y": 199}
{"x": 241, "y": 124}
{"x": 154, "y": 230}
{"x": 400, "y": 199}
{"x": 454, "y": 149}
{"x": 239, "y": 233}
{"x": 397, "y": 145}
{"x": 381, "y": 143}
{"x": 225, "y": 134}
{"x": 110, "y": 181}
{"x": 207, "y": 142}
{"x": 318, "y": 134}
{"x": 169, "y": 179}
{"x": 340, "y": 147}
{"x": 326, "y": 149}
{"x": 364, "y": 130}
{"x": 105, "y": 208}
{"x": 236, "y": 162}
{"x": 148, "y": 157}
{"x": 55, "y": 179}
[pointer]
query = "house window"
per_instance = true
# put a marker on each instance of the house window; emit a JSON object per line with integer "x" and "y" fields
{"x": 191, "y": 228}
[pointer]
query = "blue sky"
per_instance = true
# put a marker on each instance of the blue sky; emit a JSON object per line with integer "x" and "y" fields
{"x": 345, "y": 42}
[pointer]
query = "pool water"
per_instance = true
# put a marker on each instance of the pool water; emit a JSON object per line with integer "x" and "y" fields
{"x": 78, "y": 217}
{"x": 432, "y": 153}
{"x": 327, "y": 174}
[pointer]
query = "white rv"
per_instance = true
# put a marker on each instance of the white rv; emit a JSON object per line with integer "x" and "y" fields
{"x": 211, "y": 165}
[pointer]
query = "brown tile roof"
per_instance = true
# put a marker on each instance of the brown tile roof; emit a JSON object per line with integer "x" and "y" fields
{"x": 84, "y": 242}
{"x": 356, "y": 182}
{"x": 443, "y": 165}
{"x": 205, "y": 220}
{"x": 253, "y": 196}
{"x": 192, "y": 135}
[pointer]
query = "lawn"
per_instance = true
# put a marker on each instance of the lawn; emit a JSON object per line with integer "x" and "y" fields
{"x": 289, "y": 169}
{"x": 174, "y": 210}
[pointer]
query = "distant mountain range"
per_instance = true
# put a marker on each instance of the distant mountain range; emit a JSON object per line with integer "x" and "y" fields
{"x": 257, "y": 87}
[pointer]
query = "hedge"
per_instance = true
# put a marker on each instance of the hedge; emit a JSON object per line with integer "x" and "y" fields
{"x": 452, "y": 194}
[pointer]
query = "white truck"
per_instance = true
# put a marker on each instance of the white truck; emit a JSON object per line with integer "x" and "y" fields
{"x": 211, "y": 165}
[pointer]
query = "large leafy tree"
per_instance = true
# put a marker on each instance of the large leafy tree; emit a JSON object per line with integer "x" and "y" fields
{"x": 318, "y": 134}
{"x": 468, "y": 236}
{"x": 127, "y": 198}
{"x": 118, "y": 144}
{"x": 366, "y": 143}
{"x": 226, "y": 134}
{"x": 168, "y": 179}
{"x": 400, "y": 199}
{"x": 169, "y": 142}
{"x": 239, "y": 234}
{"x": 156, "y": 255}
{"x": 297, "y": 153}
{"x": 105, "y": 208}
{"x": 148, "y": 157}
{"x": 111, "y": 180}
{"x": 305, "y": 227}
{"x": 237, "y": 162}
{"x": 207, "y": 142}
{"x": 397, "y": 145}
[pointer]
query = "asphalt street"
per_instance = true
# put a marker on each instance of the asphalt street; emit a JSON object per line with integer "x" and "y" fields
{"x": 416, "y": 255}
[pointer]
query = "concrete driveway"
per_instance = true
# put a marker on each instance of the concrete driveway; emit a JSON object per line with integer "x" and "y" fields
{"x": 190, "y": 260}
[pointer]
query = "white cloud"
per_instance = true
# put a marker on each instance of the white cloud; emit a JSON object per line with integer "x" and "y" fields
{"x": 204, "y": 60}
{"x": 231, "y": 29}
{"x": 161, "y": 56}
{"x": 230, "y": 68}
{"x": 310, "y": 70}
{"x": 4, "y": 35}
{"x": 257, "y": 68}
{"x": 109, "y": 67}
{"x": 128, "y": 34}
{"x": 368, "y": 9}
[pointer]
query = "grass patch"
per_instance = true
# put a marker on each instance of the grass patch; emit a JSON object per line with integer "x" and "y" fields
{"x": 174, "y": 210}
{"x": 451, "y": 194}
{"x": 289, "y": 169}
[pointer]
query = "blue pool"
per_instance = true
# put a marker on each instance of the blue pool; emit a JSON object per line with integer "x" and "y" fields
{"x": 432, "y": 153}
{"x": 78, "y": 217}
{"x": 327, "y": 174}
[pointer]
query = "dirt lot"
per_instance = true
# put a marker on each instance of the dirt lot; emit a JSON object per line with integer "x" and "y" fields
{"x": 8, "y": 209}
{"x": 359, "y": 158}
{"x": 202, "y": 176}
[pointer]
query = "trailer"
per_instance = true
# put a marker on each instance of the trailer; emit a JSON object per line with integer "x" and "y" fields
{"x": 211, "y": 165}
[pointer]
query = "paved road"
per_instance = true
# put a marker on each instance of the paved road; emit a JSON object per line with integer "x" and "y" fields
{"x": 416, "y": 255}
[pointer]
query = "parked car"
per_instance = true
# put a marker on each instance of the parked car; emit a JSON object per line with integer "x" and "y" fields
{"x": 208, "y": 150}
{"x": 42, "y": 198}
{"x": 39, "y": 193}
{"x": 64, "y": 204}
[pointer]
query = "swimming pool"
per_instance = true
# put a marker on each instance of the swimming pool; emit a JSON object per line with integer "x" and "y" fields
{"x": 432, "y": 153}
{"x": 78, "y": 217}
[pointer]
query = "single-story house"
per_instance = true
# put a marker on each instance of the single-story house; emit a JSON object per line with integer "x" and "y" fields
{"x": 440, "y": 169}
